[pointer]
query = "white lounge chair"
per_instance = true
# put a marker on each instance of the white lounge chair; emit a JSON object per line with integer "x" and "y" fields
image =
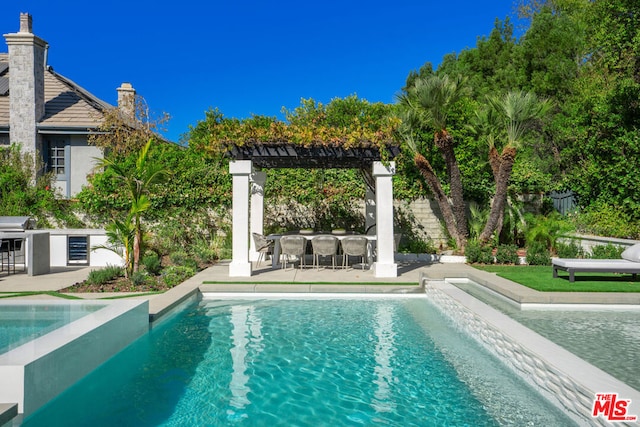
{"x": 628, "y": 263}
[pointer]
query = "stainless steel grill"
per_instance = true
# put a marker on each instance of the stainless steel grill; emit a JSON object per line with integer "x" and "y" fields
{"x": 15, "y": 223}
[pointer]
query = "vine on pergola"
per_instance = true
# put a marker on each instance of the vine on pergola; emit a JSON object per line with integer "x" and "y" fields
{"x": 354, "y": 123}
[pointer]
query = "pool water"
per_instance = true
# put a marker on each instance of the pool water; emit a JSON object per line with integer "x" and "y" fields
{"x": 338, "y": 362}
{"x": 22, "y": 323}
{"x": 608, "y": 339}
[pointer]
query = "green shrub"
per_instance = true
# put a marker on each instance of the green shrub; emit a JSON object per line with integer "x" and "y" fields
{"x": 569, "y": 250}
{"x": 104, "y": 275}
{"x": 538, "y": 254}
{"x": 608, "y": 251}
{"x": 476, "y": 253}
{"x": 176, "y": 274}
{"x": 603, "y": 219}
{"x": 151, "y": 262}
{"x": 507, "y": 254}
{"x": 204, "y": 252}
{"x": 419, "y": 246}
{"x": 181, "y": 258}
{"x": 138, "y": 278}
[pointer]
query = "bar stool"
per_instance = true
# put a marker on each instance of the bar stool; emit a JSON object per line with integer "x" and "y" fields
{"x": 17, "y": 251}
{"x": 4, "y": 253}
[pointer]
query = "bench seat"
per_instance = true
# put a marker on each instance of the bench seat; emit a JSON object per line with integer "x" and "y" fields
{"x": 572, "y": 266}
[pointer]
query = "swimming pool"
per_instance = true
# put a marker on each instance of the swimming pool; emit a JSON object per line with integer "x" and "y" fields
{"x": 322, "y": 361}
{"x": 605, "y": 337}
{"x": 20, "y": 323}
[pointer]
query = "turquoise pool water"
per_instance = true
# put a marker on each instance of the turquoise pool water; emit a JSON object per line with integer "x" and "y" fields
{"x": 608, "y": 339}
{"x": 22, "y": 323}
{"x": 338, "y": 362}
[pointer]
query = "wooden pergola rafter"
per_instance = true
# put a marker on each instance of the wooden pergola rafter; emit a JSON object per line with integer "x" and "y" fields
{"x": 285, "y": 155}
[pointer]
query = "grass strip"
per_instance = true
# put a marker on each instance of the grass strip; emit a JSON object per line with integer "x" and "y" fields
{"x": 223, "y": 282}
{"x": 540, "y": 278}
{"x": 143, "y": 294}
{"x": 31, "y": 293}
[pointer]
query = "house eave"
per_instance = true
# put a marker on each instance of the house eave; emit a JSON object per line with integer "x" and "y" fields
{"x": 67, "y": 130}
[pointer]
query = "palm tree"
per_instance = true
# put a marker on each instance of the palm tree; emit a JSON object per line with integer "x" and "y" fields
{"x": 120, "y": 235}
{"x": 517, "y": 112}
{"x": 428, "y": 104}
{"x": 137, "y": 181}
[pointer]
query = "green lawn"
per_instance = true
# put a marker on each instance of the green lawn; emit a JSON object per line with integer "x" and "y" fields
{"x": 540, "y": 277}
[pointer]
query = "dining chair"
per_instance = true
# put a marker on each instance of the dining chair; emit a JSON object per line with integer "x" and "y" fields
{"x": 324, "y": 245}
{"x": 293, "y": 246}
{"x": 263, "y": 246}
{"x": 354, "y": 246}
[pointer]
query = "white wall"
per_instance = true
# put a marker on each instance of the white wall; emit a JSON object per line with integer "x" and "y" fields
{"x": 59, "y": 248}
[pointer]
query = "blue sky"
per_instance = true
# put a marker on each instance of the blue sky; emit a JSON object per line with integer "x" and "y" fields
{"x": 249, "y": 57}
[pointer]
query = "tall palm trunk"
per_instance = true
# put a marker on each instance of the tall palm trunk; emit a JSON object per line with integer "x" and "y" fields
{"x": 137, "y": 243}
{"x": 429, "y": 175}
{"x": 500, "y": 198}
{"x": 495, "y": 161}
{"x": 444, "y": 141}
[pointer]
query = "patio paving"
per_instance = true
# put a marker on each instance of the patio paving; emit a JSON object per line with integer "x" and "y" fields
{"x": 264, "y": 279}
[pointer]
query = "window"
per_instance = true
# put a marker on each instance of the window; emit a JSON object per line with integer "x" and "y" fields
{"x": 56, "y": 161}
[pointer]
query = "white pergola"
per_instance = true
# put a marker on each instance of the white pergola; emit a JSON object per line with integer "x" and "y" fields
{"x": 248, "y": 197}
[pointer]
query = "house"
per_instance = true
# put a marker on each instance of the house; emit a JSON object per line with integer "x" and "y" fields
{"x": 46, "y": 113}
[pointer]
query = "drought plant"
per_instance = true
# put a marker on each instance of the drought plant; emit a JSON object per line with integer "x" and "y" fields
{"x": 104, "y": 275}
{"x": 151, "y": 262}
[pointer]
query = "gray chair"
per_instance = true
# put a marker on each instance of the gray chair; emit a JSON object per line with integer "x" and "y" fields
{"x": 293, "y": 246}
{"x": 324, "y": 245}
{"x": 263, "y": 246}
{"x": 354, "y": 246}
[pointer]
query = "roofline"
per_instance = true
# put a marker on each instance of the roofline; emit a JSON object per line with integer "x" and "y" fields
{"x": 93, "y": 100}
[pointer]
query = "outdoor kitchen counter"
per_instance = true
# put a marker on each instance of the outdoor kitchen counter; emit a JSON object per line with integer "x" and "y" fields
{"x": 37, "y": 250}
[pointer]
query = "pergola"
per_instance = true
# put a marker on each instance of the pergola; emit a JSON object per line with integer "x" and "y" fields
{"x": 248, "y": 193}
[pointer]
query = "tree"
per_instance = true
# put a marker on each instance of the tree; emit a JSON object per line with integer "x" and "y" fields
{"x": 513, "y": 115}
{"x": 137, "y": 182}
{"x": 121, "y": 134}
{"x": 427, "y": 104}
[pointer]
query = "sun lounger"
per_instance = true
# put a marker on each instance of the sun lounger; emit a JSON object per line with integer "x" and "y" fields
{"x": 629, "y": 264}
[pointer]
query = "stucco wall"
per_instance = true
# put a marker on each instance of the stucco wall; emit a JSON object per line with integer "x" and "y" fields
{"x": 82, "y": 162}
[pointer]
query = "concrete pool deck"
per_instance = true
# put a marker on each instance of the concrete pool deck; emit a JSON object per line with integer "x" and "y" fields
{"x": 216, "y": 279}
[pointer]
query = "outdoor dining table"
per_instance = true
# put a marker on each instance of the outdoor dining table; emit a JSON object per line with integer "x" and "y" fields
{"x": 275, "y": 259}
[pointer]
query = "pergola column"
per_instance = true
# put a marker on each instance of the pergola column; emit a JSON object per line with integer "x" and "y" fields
{"x": 256, "y": 221}
{"x": 241, "y": 172}
{"x": 384, "y": 265}
{"x": 369, "y": 209}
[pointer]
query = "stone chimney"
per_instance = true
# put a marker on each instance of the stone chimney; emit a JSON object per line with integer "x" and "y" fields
{"x": 127, "y": 100}
{"x": 26, "y": 85}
